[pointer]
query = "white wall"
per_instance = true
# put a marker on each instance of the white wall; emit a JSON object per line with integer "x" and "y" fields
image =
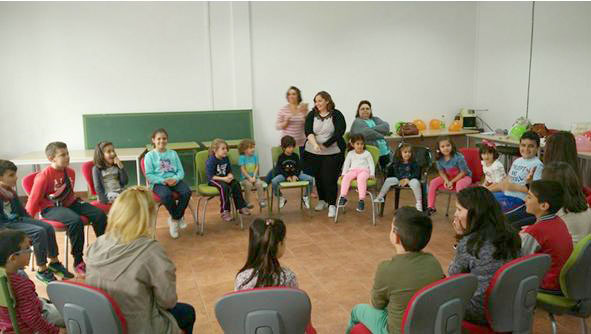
{"x": 62, "y": 60}
{"x": 409, "y": 59}
{"x": 560, "y": 90}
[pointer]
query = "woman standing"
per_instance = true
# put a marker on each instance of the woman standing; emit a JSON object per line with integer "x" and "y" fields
{"x": 134, "y": 269}
{"x": 325, "y": 149}
{"x": 373, "y": 129}
{"x": 292, "y": 117}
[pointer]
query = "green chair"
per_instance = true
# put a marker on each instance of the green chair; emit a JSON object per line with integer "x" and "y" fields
{"x": 371, "y": 183}
{"x": 575, "y": 283}
{"x": 7, "y": 299}
{"x": 275, "y": 153}
{"x": 207, "y": 192}
{"x": 234, "y": 157}
{"x": 346, "y": 137}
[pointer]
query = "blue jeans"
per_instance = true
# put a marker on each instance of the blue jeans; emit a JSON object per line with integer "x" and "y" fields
{"x": 302, "y": 177}
{"x": 177, "y": 211}
{"x": 508, "y": 203}
{"x": 185, "y": 316}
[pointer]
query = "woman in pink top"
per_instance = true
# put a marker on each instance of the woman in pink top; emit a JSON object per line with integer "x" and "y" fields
{"x": 292, "y": 116}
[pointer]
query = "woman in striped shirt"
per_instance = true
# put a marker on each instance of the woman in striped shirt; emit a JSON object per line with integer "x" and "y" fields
{"x": 292, "y": 116}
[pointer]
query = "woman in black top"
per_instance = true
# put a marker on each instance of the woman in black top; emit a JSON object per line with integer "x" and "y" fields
{"x": 325, "y": 149}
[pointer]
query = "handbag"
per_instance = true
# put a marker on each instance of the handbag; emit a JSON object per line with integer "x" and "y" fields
{"x": 408, "y": 129}
{"x": 540, "y": 129}
{"x": 61, "y": 196}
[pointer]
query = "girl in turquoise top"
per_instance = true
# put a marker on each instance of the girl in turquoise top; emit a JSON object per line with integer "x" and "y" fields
{"x": 165, "y": 174}
{"x": 373, "y": 129}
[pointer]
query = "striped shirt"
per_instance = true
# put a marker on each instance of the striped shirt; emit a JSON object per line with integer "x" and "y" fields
{"x": 295, "y": 126}
{"x": 28, "y": 309}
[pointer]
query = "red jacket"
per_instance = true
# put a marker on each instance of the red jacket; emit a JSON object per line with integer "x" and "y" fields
{"x": 46, "y": 183}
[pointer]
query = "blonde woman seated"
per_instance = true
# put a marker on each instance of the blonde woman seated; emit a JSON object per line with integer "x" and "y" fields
{"x": 134, "y": 269}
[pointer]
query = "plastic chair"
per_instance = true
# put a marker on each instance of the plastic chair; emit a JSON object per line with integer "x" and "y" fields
{"x": 438, "y": 308}
{"x": 472, "y": 156}
{"x": 58, "y": 226}
{"x": 87, "y": 172}
{"x": 234, "y": 157}
{"x": 207, "y": 192}
{"x": 574, "y": 283}
{"x": 275, "y": 153}
{"x": 510, "y": 299}
{"x": 86, "y": 309}
{"x": 423, "y": 158}
{"x": 371, "y": 183}
{"x": 265, "y": 311}
{"x": 175, "y": 197}
{"x": 7, "y": 300}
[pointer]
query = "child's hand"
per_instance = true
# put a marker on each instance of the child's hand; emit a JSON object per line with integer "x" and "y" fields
{"x": 449, "y": 185}
{"x": 457, "y": 227}
{"x": 230, "y": 177}
{"x": 118, "y": 162}
{"x": 403, "y": 182}
{"x": 295, "y": 178}
{"x": 530, "y": 175}
{"x": 317, "y": 148}
{"x": 170, "y": 182}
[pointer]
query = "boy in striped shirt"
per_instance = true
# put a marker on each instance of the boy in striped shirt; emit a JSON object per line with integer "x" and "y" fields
{"x": 34, "y": 315}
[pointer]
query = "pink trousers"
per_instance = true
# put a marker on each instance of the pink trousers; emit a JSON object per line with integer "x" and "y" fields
{"x": 361, "y": 174}
{"x": 437, "y": 183}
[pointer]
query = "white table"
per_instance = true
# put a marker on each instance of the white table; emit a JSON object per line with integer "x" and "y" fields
{"x": 80, "y": 156}
{"x": 428, "y": 137}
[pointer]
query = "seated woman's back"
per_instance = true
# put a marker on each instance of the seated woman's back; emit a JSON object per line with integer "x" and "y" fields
{"x": 134, "y": 269}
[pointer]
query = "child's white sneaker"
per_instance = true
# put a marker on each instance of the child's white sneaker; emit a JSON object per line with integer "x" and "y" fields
{"x": 173, "y": 228}
{"x": 378, "y": 199}
{"x": 419, "y": 207}
{"x": 321, "y": 205}
{"x": 282, "y": 202}
{"x": 182, "y": 224}
{"x": 306, "y": 201}
{"x": 332, "y": 211}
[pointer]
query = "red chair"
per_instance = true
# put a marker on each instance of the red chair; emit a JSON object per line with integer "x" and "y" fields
{"x": 510, "y": 298}
{"x": 175, "y": 197}
{"x": 87, "y": 172}
{"x": 27, "y": 184}
{"x": 472, "y": 156}
{"x": 86, "y": 309}
{"x": 438, "y": 308}
{"x": 587, "y": 192}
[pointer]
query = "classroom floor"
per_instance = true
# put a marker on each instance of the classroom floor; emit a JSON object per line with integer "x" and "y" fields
{"x": 334, "y": 263}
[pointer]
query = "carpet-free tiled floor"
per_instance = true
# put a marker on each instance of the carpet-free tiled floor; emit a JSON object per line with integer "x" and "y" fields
{"x": 334, "y": 263}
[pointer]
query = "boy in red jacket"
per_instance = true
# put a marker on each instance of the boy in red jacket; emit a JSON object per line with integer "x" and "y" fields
{"x": 53, "y": 196}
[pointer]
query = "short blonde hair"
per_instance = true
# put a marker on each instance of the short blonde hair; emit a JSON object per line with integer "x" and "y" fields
{"x": 215, "y": 144}
{"x": 132, "y": 215}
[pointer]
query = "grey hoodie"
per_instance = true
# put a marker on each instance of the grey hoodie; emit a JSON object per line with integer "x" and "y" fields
{"x": 140, "y": 277}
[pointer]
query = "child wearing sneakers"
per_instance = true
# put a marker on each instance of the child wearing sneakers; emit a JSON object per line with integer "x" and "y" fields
{"x": 53, "y": 196}
{"x": 14, "y": 216}
{"x": 218, "y": 170}
{"x": 404, "y": 171}
{"x": 549, "y": 233}
{"x": 397, "y": 279}
{"x": 165, "y": 174}
{"x": 289, "y": 168}
{"x": 249, "y": 176}
{"x": 358, "y": 165}
{"x": 34, "y": 315}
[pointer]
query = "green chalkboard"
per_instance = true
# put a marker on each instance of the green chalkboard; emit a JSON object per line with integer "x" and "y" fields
{"x": 135, "y": 129}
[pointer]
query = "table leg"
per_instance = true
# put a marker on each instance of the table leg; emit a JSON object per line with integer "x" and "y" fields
{"x": 138, "y": 171}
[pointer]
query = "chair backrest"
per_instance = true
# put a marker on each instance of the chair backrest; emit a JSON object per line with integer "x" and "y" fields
{"x": 200, "y": 159}
{"x": 438, "y": 308}
{"x": 143, "y": 168}
{"x": 86, "y": 309}
{"x": 7, "y": 299}
{"x": 375, "y": 153}
{"x": 276, "y": 152}
{"x": 346, "y": 137}
{"x": 87, "y": 172}
{"x": 511, "y": 295}
{"x": 28, "y": 181}
{"x": 264, "y": 311}
{"x": 576, "y": 273}
{"x": 472, "y": 156}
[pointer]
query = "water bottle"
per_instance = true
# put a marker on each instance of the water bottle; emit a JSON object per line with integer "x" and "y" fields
{"x": 443, "y": 121}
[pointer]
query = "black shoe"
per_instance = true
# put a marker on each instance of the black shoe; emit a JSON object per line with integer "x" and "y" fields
{"x": 342, "y": 201}
{"x": 361, "y": 206}
{"x": 60, "y": 271}
{"x": 430, "y": 211}
{"x": 45, "y": 276}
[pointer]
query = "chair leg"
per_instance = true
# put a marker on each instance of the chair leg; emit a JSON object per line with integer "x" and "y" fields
{"x": 336, "y": 216}
{"x": 383, "y": 205}
{"x": 373, "y": 209}
{"x": 448, "y": 203}
{"x": 203, "y": 218}
{"x": 193, "y": 211}
{"x": 301, "y": 198}
{"x": 269, "y": 203}
{"x": 553, "y": 323}
{"x": 197, "y": 225}
{"x": 396, "y": 198}
{"x": 67, "y": 246}
{"x": 584, "y": 326}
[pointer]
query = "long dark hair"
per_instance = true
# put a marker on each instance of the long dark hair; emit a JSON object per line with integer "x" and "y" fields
{"x": 486, "y": 221}
{"x": 562, "y": 146}
{"x": 362, "y": 102}
{"x": 454, "y": 149}
{"x": 264, "y": 238}
{"x": 398, "y": 154}
{"x": 329, "y": 102}
{"x": 99, "y": 154}
{"x": 563, "y": 173}
{"x": 355, "y": 138}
